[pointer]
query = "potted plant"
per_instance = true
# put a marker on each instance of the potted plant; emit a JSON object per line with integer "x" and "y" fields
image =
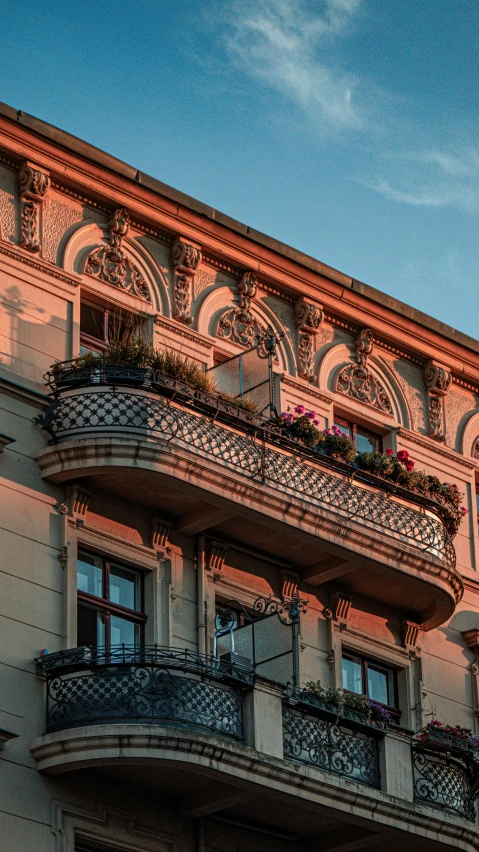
{"x": 74, "y": 373}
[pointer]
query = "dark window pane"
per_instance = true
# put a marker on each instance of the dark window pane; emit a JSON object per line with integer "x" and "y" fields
{"x": 92, "y": 321}
{"x": 378, "y": 685}
{"x": 124, "y": 632}
{"x": 366, "y": 443}
{"x": 89, "y": 574}
{"x": 90, "y": 627}
{"x": 124, "y": 587}
{"x": 352, "y": 676}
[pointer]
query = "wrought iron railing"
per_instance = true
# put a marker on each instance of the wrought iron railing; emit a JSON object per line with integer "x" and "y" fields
{"x": 445, "y": 778}
{"x": 251, "y": 452}
{"x": 344, "y": 746}
{"x": 150, "y": 685}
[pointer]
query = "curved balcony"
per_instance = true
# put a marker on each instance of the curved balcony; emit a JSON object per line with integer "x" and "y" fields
{"x": 446, "y": 772}
{"x": 305, "y": 507}
{"x": 150, "y": 685}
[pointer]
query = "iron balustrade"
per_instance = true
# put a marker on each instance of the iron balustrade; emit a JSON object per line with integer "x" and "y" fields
{"x": 251, "y": 452}
{"x": 150, "y": 685}
{"x": 316, "y": 735}
{"x": 446, "y": 772}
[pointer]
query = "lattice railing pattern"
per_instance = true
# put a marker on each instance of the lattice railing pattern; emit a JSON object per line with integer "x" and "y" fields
{"x": 330, "y": 745}
{"x": 444, "y": 783}
{"x": 144, "y": 694}
{"x": 108, "y": 410}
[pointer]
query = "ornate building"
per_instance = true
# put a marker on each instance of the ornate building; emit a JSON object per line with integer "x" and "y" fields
{"x": 239, "y": 605}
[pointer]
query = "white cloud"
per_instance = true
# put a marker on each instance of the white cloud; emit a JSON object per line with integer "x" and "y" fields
{"x": 432, "y": 178}
{"x": 283, "y": 43}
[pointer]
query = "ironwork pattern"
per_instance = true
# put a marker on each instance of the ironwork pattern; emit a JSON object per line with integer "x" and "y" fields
{"x": 144, "y": 694}
{"x": 330, "y": 745}
{"x": 444, "y": 782}
{"x": 73, "y": 415}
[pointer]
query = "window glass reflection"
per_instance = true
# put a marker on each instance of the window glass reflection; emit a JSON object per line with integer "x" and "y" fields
{"x": 352, "y": 675}
{"x": 89, "y": 574}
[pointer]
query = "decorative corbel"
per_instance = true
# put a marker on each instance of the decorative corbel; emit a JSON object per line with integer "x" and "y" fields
{"x": 437, "y": 380}
{"x": 308, "y": 317}
{"x": 78, "y": 500}
{"x": 471, "y": 638}
{"x": 238, "y": 324}
{"x": 337, "y": 616}
{"x": 160, "y": 533}
{"x": 215, "y": 557}
{"x": 358, "y": 382}
{"x": 289, "y": 585}
{"x": 186, "y": 258}
{"x": 33, "y": 183}
{"x": 411, "y": 638}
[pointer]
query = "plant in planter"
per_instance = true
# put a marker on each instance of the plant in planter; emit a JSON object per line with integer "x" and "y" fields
{"x": 166, "y": 362}
{"x": 300, "y": 425}
{"x": 344, "y": 700}
{"x": 76, "y": 372}
{"x": 335, "y": 443}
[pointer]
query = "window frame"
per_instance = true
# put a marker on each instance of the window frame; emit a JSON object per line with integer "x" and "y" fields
{"x": 355, "y": 427}
{"x": 104, "y": 604}
{"x": 365, "y": 662}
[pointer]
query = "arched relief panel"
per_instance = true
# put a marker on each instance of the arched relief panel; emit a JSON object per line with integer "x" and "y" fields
{"x": 468, "y": 436}
{"x": 87, "y": 243}
{"x": 213, "y": 307}
{"x": 337, "y": 357}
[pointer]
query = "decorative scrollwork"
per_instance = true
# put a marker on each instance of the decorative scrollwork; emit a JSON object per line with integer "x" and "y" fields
{"x": 330, "y": 745}
{"x": 239, "y": 324}
{"x": 357, "y": 380}
{"x": 186, "y": 259}
{"x": 438, "y": 381}
{"x": 443, "y": 782}
{"x": 33, "y": 184}
{"x": 308, "y": 317}
{"x": 143, "y": 693}
{"x": 110, "y": 263}
{"x": 75, "y": 415}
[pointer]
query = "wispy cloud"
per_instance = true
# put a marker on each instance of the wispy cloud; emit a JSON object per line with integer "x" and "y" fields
{"x": 285, "y": 44}
{"x": 431, "y": 178}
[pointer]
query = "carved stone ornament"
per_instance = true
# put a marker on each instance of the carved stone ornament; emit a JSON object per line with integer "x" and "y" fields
{"x": 437, "y": 380}
{"x": 186, "y": 259}
{"x": 238, "y": 324}
{"x": 357, "y": 380}
{"x": 308, "y": 317}
{"x": 160, "y": 533}
{"x": 475, "y": 449}
{"x": 33, "y": 184}
{"x": 109, "y": 263}
{"x": 289, "y": 585}
{"x": 215, "y": 557}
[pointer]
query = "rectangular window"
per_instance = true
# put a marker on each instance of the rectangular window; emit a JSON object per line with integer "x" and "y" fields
{"x": 99, "y": 324}
{"x": 367, "y": 677}
{"x": 110, "y": 605}
{"x": 365, "y": 441}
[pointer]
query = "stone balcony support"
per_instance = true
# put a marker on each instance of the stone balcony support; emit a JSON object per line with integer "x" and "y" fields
{"x": 263, "y": 718}
{"x": 395, "y": 766}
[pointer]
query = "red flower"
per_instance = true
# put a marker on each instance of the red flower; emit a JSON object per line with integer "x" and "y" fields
{"x": 389, "y": 452}
{"x": 402, "y": 455}
{"x": 409, "y": 465}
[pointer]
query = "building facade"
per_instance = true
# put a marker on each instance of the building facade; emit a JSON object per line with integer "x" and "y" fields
{"x": 219, "y": 632}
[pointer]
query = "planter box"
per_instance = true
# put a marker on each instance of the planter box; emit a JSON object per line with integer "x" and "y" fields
{"x": 124, "y": 374}
{"x": 71, "y": 377}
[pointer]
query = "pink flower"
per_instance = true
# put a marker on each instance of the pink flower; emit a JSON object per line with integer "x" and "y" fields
{"x": 311, "y": 414}
{"x": 435, "y": 723}
{"x": 327, "y": 432}
{"x": 402, "y": 455}
{"x": 463, "y": 510}
{"x": 316, "y": 422}
{"x": 299, "y": 409}
{"x": 389, "y": 452}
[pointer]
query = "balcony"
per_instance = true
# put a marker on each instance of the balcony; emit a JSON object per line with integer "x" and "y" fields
{"x": 249, "y": 751}
{"x": 446, "y": 772}
{"x": 175, "y": 447}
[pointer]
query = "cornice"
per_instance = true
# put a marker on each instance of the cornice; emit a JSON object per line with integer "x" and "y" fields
{"x": 304, "y": 387}
{"x": 22, "y": 393}
{"x": 7, "y": 161}
{"x": 181, "y": 331}
{"x": 11, "y": 251}
{"x": 433, "y": 446}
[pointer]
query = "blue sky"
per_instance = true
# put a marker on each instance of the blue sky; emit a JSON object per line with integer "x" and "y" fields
{"x": 346, "y": 128}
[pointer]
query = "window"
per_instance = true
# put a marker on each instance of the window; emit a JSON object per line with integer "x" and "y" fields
{"x": 365, "y": 441}
{"x": 110, "y": 601}
{"x": 367, "y": 677}
{"x": 98, "y": 324}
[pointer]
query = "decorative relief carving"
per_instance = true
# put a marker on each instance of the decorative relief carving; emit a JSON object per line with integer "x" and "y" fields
{"x": 357, "y": 380}
{"x": 204, "y": 278}
{"x": 33, "y": 184}
{"x": 457, "y": 403}
{"x": 58, "y": 217}
{"x": 110, "y": 264}
{"x": 160, "y": 533}
{"x": 186, "y": 259}
{"x": 238, "y": 324}
{"x": 289, "y": 585}
{"x": 308, "y": 317}
{"x": 78, "y": 501}
{"x": 410, "y": 380}
{"x": 7, "y": 204}
{"x": 475, "y": 449}
{"x": 437, "y": 380}
{"x": 215, "y": 557}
